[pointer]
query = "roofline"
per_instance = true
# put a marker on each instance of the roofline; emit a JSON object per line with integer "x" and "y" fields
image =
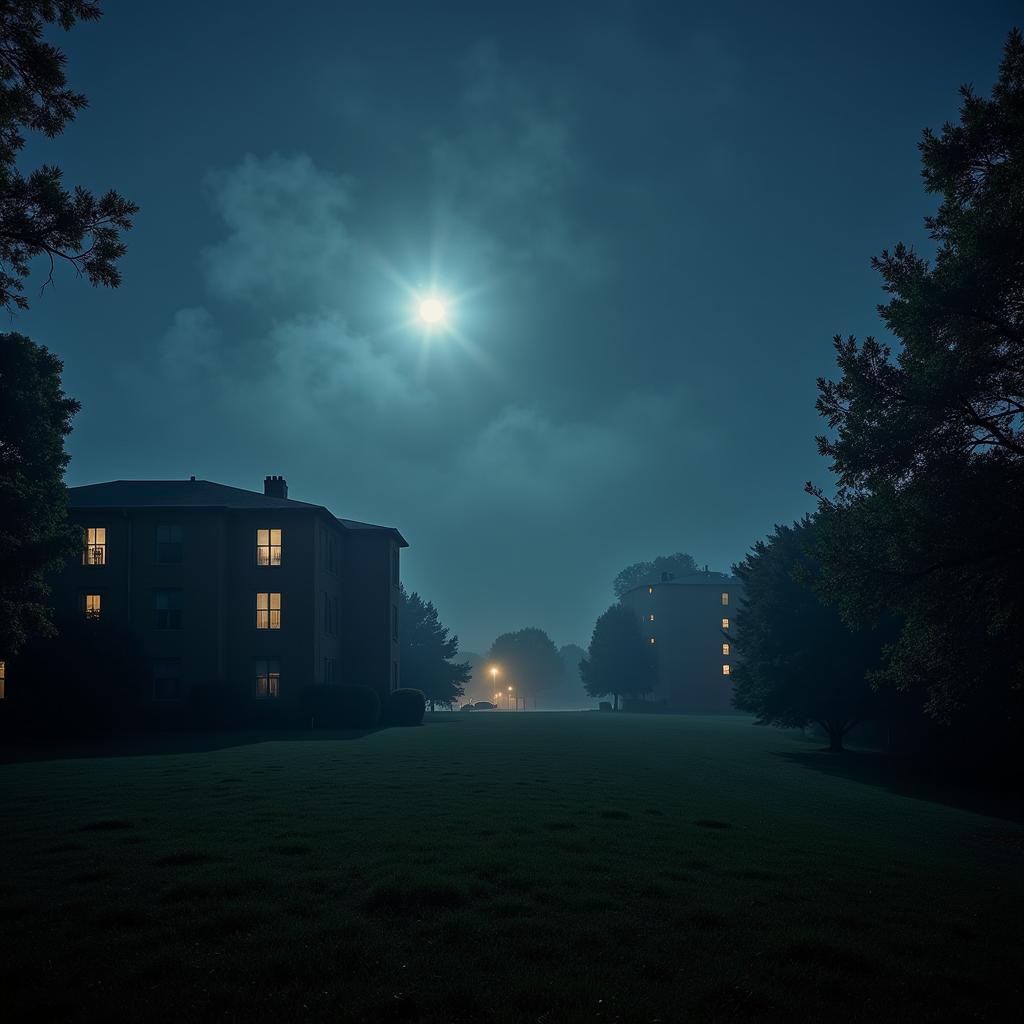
{"x": 681, "y": 583}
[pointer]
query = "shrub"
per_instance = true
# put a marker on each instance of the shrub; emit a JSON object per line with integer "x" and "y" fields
{"x": 605, "y": 705}
{"x": 341, "y": 707}
{"x": 406, "y": 707}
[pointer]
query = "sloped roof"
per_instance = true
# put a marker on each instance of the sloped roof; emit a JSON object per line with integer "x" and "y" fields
{"x": 168, "y": 494}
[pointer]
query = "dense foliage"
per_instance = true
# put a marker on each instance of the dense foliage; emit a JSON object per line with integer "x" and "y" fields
{"x": 928, "y": 443}
{"x": 640, "y": 573}
{"x": 405, "y": 707}
{"x": 798, "y": 662}
{"x": 35, "y": 535}
{"x": 618, "y": 661}
{"x": 428, "y": 651}
{"x": 528, "y": 661}
{"x": 39, "y": 216}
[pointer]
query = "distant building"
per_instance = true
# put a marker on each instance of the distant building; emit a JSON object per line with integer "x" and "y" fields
{"x": 220, "y": 584}
{"x": 686, "y": 621}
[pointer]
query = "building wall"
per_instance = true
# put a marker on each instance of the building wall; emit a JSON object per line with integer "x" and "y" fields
{"x": 687, "y": 630}
{"x": 337, "y": 591}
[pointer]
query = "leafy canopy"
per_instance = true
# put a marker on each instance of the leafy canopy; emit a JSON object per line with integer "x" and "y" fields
{"x": 35, "y": 536}
{"x": 640, "y": 573}
{"x": 618, "y": 660}
{"x": 428, "y": 649}
{"x": 528, "y": 661}
{"x": 39, "y": 216}
{"x": 928, "y": 443}
{"x": 798, "y": 661}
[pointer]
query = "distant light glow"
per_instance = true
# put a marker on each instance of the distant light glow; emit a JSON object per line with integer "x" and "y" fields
{"x": 432, "y": 311}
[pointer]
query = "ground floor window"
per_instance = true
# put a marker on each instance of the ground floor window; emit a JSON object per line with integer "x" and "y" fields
{"x": 3, "y": 679}
{"x": 268, "y": 678}
{"x": 93, "y": 604}
{"x": 167, "y": 679}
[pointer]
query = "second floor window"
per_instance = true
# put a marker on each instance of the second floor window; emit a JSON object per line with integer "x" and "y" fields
{"x": 95, "y": 552}
{"x": 725, "y": 598}
{"x": 725, "y": 650}
{"x": 93, "y": 606}
{"x": 268, "y": 547}
{"x": 167, "y": 608}
{"x": 268, "y": 611}
{"x": 725, "y": 623}
{"x": 168, "y": 543}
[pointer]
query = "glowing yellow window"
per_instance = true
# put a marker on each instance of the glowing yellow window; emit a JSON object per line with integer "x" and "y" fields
{"x": 650, "y": 590}
{"x": 3, "y": 679}
{"x": 92, "y": 606}
{"x": 725, "y": 623}
{"x": 725, "y": 598}
{"x": 725, "y": 650}
{"x": 725, "y": 670}
{"x": 268, "y": 611}
{"x": 651, "y": 640}
{"x": 268, "y": 547}
{"x": 95, "y": 551}
{"x": 650, "y": 618}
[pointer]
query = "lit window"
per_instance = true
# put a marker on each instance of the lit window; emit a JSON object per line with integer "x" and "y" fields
{"x": 3, "y": 679}
{"x": 725, "y": 670}
{"x": 95, "y": 552}
{"x": 725, "y": 598}
{"x": 167, "y": 608}
{"x": 168, "y": 543}
{"x": 268, "y": 678}
{"x": 268, "y": 611}
{"x": 725, "y": 623}
{"x": 167, "y": 679}
{"x": 651, "y": 640}
{"x": 92, "y": 606}
{"x": 725, "y": 650}
{"x": 650, "y": 590}
{"x": 268, "y": 547}
{"x": 650, "y": 618}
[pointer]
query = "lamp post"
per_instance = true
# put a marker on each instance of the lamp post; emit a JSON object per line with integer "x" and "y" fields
{"x": 510, "y": 698}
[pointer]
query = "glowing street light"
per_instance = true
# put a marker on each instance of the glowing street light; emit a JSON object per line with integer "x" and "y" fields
{"x": 510, "y": 698}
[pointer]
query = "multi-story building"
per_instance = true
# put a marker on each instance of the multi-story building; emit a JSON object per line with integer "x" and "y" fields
{"x": 219, "y": 584}
{"x": 686, "y": 621}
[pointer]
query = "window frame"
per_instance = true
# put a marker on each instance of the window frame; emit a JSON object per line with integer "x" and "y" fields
{"x": 270, "y": 678}
{"x": 172, "y": 617}
{"x": 159, "y": 544}
{"x": 269, "y": 546}
{"x": 92, "y": 544}
{"x": 268, "y": 609}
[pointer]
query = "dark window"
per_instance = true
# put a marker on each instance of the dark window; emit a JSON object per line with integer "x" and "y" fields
{"x": 168, "y": 543}
{"x": 268, "y": 678}
{"x": 394, "y": 621}
{"x": 167, "y": 679}
{"x": 167, "y": 605}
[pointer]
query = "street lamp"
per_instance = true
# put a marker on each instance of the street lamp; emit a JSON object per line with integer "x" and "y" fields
{"x": 510, "y": 698}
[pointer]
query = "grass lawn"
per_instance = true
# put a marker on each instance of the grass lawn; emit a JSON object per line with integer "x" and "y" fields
{"x": 498, "y": 867}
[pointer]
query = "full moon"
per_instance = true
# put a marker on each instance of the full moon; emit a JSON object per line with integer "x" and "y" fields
{"x": 432, "y": 311}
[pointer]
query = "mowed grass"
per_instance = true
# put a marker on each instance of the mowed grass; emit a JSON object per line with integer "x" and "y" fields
{"x": 498, "y": 867}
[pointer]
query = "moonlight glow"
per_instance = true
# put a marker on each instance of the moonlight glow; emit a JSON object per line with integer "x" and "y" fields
{"x": 432, "y": 311}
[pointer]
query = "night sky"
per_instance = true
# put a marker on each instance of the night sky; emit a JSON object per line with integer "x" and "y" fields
{"x": 652, "y": 217}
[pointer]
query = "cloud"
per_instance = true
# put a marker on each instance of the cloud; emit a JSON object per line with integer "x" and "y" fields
{"x": 287, "y": 244}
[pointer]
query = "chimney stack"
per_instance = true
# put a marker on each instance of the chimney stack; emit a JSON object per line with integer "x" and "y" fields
{"x": 275, "y": 487}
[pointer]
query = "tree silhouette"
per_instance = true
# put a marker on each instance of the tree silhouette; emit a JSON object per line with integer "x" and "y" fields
{"x": 38, "y": 215}
{"x": 928, "y": 444}
{"x": 35, "y": 535}
{"x": 618, "y": 660}
{"x": 529, "y": 662}
{"x": 427, "y": 649}
{"x": 798, "y": 661}
{"x": 640, "y": 573}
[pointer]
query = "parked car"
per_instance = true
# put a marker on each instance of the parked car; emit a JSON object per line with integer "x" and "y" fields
{"x": 484, "y": 705}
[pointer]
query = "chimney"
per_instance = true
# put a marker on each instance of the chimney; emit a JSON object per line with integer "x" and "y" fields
{"x": 275, "y": 487}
